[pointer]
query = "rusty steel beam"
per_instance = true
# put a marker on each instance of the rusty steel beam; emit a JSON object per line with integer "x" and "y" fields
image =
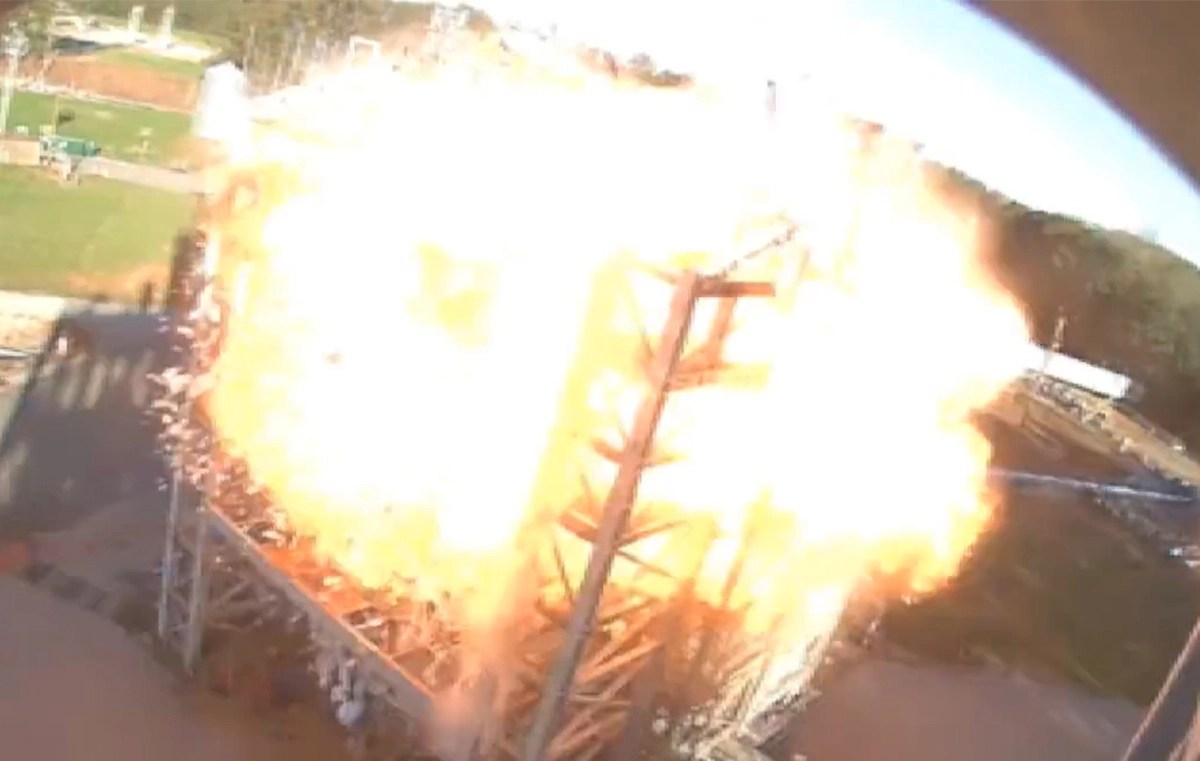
{"x": 404, "y": 690}
{"x": 197, "y": 598}
{"x": 716, "y": 287}
{"x": 614, "y": 519}
{"x": 721, "y": 326}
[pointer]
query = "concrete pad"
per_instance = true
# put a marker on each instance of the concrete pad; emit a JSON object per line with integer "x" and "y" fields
{"x": 110, "y": 544}
{"x": 76, "y": 688}
{"x": 882, "y": 710}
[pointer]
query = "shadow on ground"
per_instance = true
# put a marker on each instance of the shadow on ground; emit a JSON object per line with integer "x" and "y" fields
{"x": 81, "y": 436}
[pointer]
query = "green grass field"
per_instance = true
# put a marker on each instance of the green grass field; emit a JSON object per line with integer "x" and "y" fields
{"x": 200, "y": 39}
{"x": 117, "y": 129}
{"x": 100, "y": 237}
{"x": 147, "y": 60}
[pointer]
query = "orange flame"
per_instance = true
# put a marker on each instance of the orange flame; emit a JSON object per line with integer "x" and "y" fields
{"x": 438, "y": 314}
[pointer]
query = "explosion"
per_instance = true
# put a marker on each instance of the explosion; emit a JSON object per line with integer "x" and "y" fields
{"x": 441, "y": 292}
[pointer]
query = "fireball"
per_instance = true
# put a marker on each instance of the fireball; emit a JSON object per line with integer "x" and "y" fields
{"x": 441, "y": 317}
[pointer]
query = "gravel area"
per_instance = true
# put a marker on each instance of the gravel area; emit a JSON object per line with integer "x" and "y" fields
{"x": 24, "y": 333}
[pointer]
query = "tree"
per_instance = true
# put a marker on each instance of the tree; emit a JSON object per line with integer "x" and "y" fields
{"x": 37, "y": 23}
{"x": 10, "y": 8}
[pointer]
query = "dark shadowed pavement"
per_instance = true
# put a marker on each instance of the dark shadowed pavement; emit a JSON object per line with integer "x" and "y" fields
{"x": 80, "y": 436}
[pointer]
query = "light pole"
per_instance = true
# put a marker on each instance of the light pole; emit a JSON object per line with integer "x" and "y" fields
{"x": 15, "y": 46}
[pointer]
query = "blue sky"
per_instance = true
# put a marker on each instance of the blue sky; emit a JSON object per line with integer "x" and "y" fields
{"x": 974, "y": 94}
{"x": 1069, "y": 130}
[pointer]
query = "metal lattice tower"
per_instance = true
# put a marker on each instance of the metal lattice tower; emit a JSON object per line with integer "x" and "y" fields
{"x": 181, "y": 601}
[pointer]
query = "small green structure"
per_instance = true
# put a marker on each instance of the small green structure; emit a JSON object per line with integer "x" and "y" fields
{"x": 74, "y": 149}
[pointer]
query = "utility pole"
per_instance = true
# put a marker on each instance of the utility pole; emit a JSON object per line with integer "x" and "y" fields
{"x": 280, "y": 61}
{"x": 246, "y": 53}
{"x": 318, "y": 57}
{"x": 297, "y": 56}
{"x": 15, "y": 46}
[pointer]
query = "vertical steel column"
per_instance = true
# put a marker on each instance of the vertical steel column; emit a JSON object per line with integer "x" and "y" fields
{"x": 617, "y": 507}
{"x": 199, "y": 581}
{"x": 197, "y": 520}
{"x": 1189, "y": 749}
{"x": 170, "y": 554}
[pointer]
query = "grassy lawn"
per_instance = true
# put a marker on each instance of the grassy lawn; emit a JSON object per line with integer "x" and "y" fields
{"x": 146, "y": 60}
{"x": 200, "y": 39}
{"x": 100, "y": 237}
{"x": 117, "y": 129}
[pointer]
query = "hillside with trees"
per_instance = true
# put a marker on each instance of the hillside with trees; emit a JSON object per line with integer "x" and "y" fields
{"x": 1127, "y": 303}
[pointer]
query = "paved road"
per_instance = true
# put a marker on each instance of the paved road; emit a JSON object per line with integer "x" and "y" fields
{"x": 142, "y": 174}
{"x": 75, "y": 687}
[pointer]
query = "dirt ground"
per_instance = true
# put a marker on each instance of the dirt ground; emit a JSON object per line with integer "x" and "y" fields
{"x": 121, "y": 82}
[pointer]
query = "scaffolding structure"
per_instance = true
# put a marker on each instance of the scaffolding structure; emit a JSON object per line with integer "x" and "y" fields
{"x": 607, "y": 669}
